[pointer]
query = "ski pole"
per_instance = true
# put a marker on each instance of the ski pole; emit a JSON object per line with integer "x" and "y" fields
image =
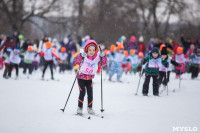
{"x": 166, "y": 79}
{"x": 63, "y": 110}
{"x": 141, "y": 72}
{"x": 180, "y": 78}
{"x": 101, "y": 84}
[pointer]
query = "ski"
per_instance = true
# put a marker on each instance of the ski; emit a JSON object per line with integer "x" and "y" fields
{"x": 96, "y": 115}
{"x": 83, "y": 116}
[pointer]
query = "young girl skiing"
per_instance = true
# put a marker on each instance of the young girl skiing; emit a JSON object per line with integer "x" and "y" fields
{"x": 14, "y": 62}
{"x": 88, "y": 62}
{"x": 116, "y": 66}
{"x": 6, "y": 57}
{"x": 180, "y": 58}
{"x": 48, "y": 56}
{"x": 63, "y": 59}
{"x": 162, "y": 70}
{"x": 195, "y": 63}
{"x": 151, "y": 70}
{"x": 28, "y": 59}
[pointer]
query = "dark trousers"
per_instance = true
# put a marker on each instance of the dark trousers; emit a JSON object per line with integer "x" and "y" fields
{"x": 11, "y": 67}
{"x": 146, "y": 84}
{"x": 162, "y": 78}
{"x": 6, "y": 70}
{"x": 62, "y": 67}
{"x": 194, "y": 71}
{"x": 83, "y": 86}
{"x": 29, "y": 66}
{"x": 48, "y": 63}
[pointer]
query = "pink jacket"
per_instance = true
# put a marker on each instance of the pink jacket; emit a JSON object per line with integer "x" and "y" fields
{"x": 79, "y": 59}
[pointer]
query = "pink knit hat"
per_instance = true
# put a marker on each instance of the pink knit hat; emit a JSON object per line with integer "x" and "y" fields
{"x": 133, "y": 39}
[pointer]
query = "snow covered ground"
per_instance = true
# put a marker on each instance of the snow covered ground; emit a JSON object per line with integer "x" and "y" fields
{"x": 33, "y": 106}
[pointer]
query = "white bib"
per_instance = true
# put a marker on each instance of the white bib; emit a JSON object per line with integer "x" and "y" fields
{"x": 180, "y": 58}
{"x": 90, "y": 67}
{"x": 119, "y": 57}
{"x": 163, "y": 68}
{"x": 14, "y": 58}
{"x": 196, "y": 59}
{"x": 48, "y": 54}
{"x": 63, "y": 56}
{"x": 134, "y": 59}
{"x": 29, "y": 56}
{"x": 154, "y": 63}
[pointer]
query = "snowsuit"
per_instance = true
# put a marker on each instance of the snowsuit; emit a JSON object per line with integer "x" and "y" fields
{"x": 87, "y": 68}
{"x": 116, "y": 65}
{"x": 151, "y": 70}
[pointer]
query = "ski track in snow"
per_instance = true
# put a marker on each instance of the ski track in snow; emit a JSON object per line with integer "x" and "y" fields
{"x": 33, "y": 106}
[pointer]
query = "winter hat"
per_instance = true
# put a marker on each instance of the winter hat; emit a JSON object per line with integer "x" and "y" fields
{"x": 91, "y": 43}
{"x": 133, "y": 39}
{"x": 107, "y": 52}
{"x": 120, "y": 45}
{"x": 16, "y": 49}
{"x": 141, "y": 39}
{"x": 9, "y": 49}
{"x": 112, "y": 48}
{"x": 179, "y": 49}
{"x": 123, "y": 38}
{"x": 48, "y": 44}
{"x": 161, "y": 46}
{"x": 120, "y": 39}
{"x": 63, "y": 49}
{"x": 126, "y": 53}
{"x": 65, "y": 40}
{"x": 154, "y": 50}
{"x": 132, "y": 52}
{"x": 164, "y": 51}
{"x": 30, "y": 48}
{"x": 21, "y": 36}
{"x": 140, "y": 55}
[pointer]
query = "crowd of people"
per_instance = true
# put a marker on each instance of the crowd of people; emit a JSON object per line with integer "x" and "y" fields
{"x": 157, "y": 59}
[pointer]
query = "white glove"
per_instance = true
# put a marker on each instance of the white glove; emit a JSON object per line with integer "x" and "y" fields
{"x": 102, "y": 54}
{"x": 83, "y": 54}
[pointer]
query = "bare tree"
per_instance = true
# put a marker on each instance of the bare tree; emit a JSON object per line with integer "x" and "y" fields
{"x": 17, "y": 12}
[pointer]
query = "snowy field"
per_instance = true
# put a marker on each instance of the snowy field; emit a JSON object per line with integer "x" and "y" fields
{"x": 33, "y": 106}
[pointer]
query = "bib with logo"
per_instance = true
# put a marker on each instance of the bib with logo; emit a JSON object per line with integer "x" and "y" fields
{"x": 90, "y": 67}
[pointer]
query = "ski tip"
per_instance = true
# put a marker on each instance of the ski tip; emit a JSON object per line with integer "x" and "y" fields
{"x": 62, "y": 110}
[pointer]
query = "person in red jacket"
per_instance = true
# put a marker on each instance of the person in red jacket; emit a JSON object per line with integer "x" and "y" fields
{"x": 9, "y": 43}
{"x": 141, "y": 45}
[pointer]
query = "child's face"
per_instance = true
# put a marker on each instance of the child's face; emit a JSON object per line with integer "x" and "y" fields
{"x": 121, "y": 50}
{"x": 164, "y": 56}
{"x": 155, "y": 55}
{"x": 178, "y": 52}
{"x": 198, "y": 54}
{"x": 91, "y": 51}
